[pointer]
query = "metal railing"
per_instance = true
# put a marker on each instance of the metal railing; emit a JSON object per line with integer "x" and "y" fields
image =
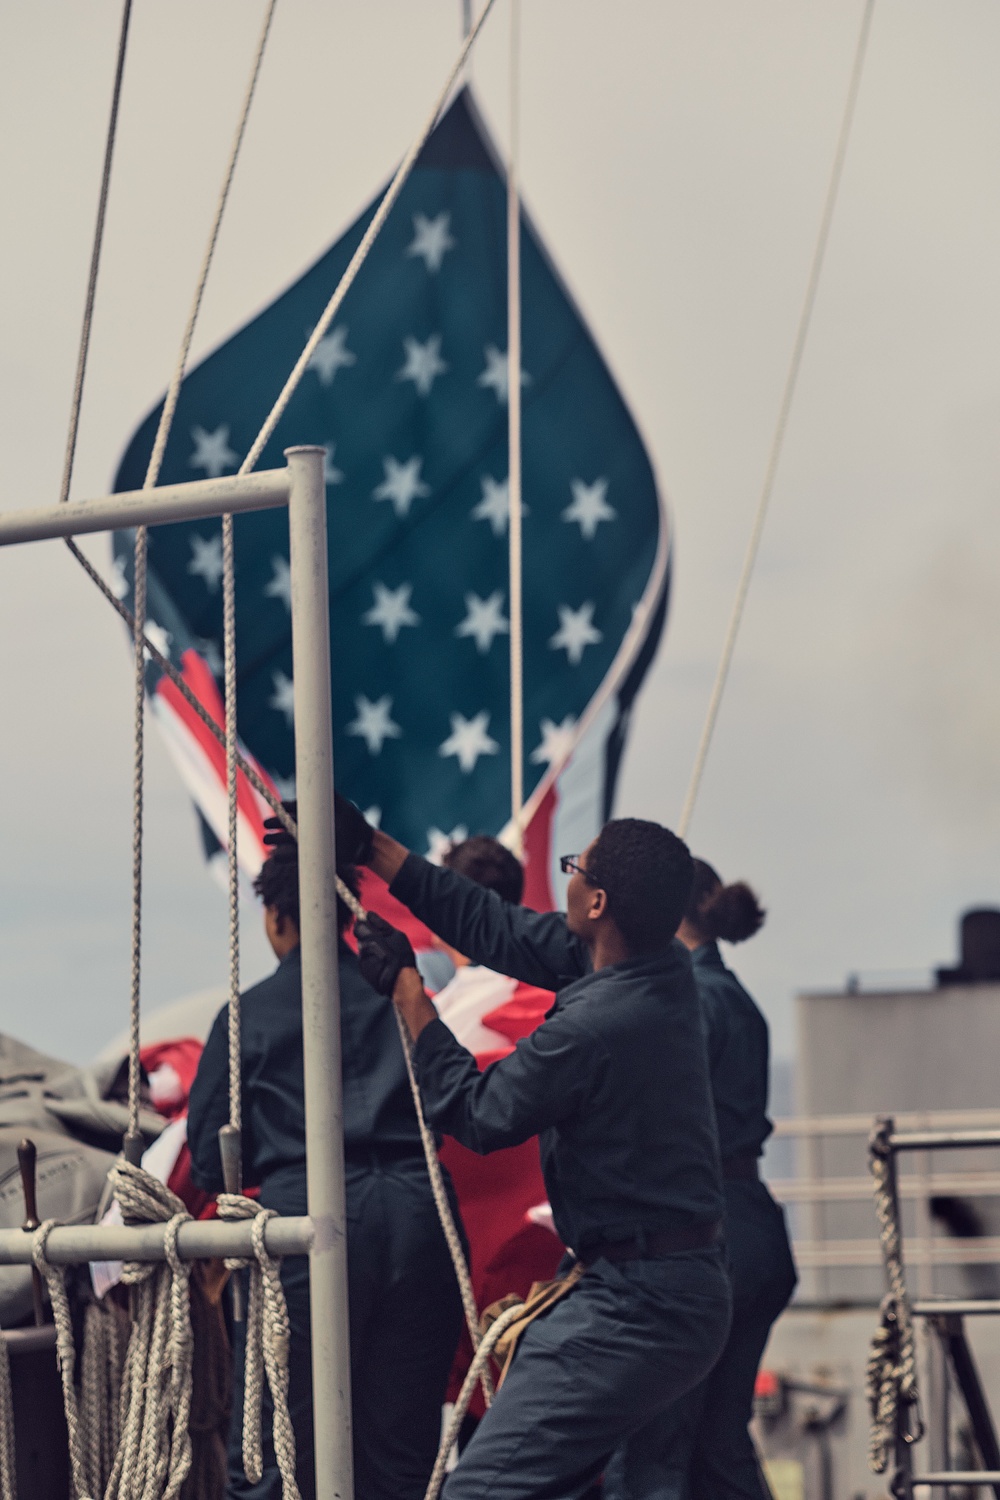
{"x": 828, "y": 1237}
{"x": 945, "y": 1318}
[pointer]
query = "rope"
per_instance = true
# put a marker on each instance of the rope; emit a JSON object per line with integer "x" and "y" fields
{"x": 95, "y": 260}
{"x": 361, "y": 253}
{"x": 268, "y": 1335}
{"x": 104, "y": 1343}
{"x": 442, "y": 1205}
{"x": 65, "y": 1354}
{"x": 477, "y": 1370}
{"x": 177, "y": 380}
{"x": 891, "y": 1373}
{"x": 8, "y": 1457}
{"x": 229, "y": 644}
{"x": 514, "y": 442}
{"x": 154, "y": 1451}
{"x": 133, "y": 1139}
{"x": 784, "y": 410}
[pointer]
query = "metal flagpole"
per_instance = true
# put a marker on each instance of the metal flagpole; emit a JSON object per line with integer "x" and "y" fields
{"x": 320, "y": 977}
{"x": 514, "y": 444}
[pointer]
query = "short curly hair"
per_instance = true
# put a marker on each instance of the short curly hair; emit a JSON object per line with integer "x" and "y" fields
{"x": 646, "y": 873}
{"x": 489, "y": 863}
{"x": 277, "y": 885}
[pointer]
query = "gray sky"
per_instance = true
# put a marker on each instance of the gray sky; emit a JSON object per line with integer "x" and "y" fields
{"x": 675, "y": 157}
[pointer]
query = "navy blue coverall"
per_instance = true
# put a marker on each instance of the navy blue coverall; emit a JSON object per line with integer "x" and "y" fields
{"x": 615, "y": 1085}
{"x": 700, "y": 1449}
{"x": 405, "y": 1308}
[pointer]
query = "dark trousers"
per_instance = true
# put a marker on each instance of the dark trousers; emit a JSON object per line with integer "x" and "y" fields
{"x": 624, "y": 1343}
{"x": 405, "y": 1315}
{"x": 700, "y": 1449}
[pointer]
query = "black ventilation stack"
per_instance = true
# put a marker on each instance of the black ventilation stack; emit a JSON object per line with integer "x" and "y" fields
{"x": 980, "y": 949}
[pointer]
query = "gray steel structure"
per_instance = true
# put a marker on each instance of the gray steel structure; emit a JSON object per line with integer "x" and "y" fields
{"x": 323, "y": 1233}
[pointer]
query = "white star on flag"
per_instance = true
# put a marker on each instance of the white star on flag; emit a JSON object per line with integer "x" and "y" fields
{"x": 438, "y": 843}
{"x": 391, "y": 610}
{"x": 402, "y": 483}
{"x": 373, "y": 815}
{"x": 423, "y": 363}
{"x": 576, "y": 630}
{"x": 468, "y": 740}
{"x": 484, "y": 619}
{"x": 589, "y": 506}
{"x": 119, "y": 583}
{"x": 206, "y": 560}
{"x": 284, "y": 786}
{"x": 431, "y": 239}
{"x": 557, "y": 742}
{"x": 283, "y": 700}
{"x": 495, "y": 504}
{"x": 280, "y": 586}
{"x": 210, "y": 654}
{"x": 212, "y": 451}
{"x": 374, "y": 723}
{"x": 158, "y": 637}
{"x": 330, "y": 355}
{"x": 495, "y": 375}
{"x": 331, "y": 475}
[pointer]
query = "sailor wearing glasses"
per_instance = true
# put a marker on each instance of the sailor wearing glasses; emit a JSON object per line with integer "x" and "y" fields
{"x": 615, "y": 1083}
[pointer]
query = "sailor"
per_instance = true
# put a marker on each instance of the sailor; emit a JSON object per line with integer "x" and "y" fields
{"x": 701, "y": 1448}
{"x": 405, "y": 1308}
{"x": 615, "y": 1083}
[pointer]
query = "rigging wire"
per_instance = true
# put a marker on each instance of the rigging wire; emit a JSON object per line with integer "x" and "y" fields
{"x": 784, "y": 410}
{"x": 95, "y": 258}
{"x": 514, "y": 442}
{"x": 361, "y": 253}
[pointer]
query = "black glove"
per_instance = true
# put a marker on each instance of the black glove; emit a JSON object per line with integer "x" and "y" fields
{"x": 382, "y": 952}
{"x": 352, "y": 832}
{"x": 278, "y": 836}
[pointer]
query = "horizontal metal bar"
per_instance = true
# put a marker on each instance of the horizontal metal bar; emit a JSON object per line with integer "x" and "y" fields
{"x": 860, "y": 1189}
{"x": 956, "y": 1307}
{"x": 835, "y": 1125}
{"x": 29, "y": 1340}
{"x": 917, "y": 1252}
{"x": 201, "y": 1239}
{"x": 958, "y": 1476}
{"x": 943, "y": 1140}
{"x": 157, "y": 507}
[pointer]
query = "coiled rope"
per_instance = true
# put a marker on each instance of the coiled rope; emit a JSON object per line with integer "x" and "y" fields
{"x": 154, "y": 1452}
{"x": 55, "y": 1280}
{"x": 105, "y": 1339}
{"x": 8, "y": 1458}
{"x": 268, "y": 1335}
{"x": 891, "y": 1372}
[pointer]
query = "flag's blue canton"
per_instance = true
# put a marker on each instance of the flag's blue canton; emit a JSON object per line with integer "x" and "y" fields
{"x": 408, "y": 393}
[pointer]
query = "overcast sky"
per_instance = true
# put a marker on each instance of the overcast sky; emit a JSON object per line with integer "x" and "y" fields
{"x": 675, "y": 157}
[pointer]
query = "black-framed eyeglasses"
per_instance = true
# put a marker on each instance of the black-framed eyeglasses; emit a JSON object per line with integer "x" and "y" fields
{"x": 570, "y": 865}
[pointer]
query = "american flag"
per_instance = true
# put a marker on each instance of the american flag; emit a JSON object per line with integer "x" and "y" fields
{"x": 407, "y": 393}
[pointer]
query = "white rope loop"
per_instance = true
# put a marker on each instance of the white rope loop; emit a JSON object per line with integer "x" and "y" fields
{"x": 268, "y": 1339}
{"x": 476, "y": 1371}
{"x": 55, "y": 1280}
{"x": 154, "y": 1451}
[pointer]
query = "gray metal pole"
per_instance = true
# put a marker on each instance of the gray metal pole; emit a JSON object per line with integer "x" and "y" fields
{"x": 320, "y": 979}
{"x": 170, "y": 502}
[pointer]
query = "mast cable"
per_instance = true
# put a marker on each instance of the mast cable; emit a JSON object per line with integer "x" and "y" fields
{"x": 95, "y": 259}
{"x": 514, "y": 442}
{"x": 777, "y": 441}
{"x": 361, "y": 253}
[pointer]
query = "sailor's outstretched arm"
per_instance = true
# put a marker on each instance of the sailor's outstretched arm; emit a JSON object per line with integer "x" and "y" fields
{"x": 536, "y": 947}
